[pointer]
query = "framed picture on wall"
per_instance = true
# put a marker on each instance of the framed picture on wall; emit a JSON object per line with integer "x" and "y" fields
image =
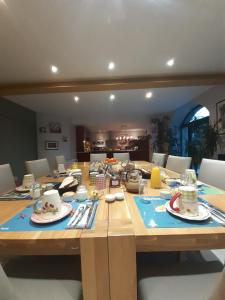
{"x": 55, "y": 127}
{"x": 220, "y": 116}
{"x": 51, "y": 145}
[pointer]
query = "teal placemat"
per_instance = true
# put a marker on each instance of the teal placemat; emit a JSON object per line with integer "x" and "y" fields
{"x": 154, "y": 215}
{"x": 22, "y": 222}
{"x": 209, "y": 190}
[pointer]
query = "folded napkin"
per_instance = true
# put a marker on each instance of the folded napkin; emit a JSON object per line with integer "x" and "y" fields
{"x": 15, "y": 196}
{"x": 87, "y": 218}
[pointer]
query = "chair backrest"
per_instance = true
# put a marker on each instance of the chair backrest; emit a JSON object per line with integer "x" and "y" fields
{"x": 178, "y": 163}
{"x": 212, "y": 172}
{"x": 122, "y": 156}
{"x": 159, "y": 159}
{"x": 60, "y": 159}
{"x": 7, "y": 182}
{"x": 6, "y": 288}
{"x": 97, "y": 157}
{"x": 38, "y": 168}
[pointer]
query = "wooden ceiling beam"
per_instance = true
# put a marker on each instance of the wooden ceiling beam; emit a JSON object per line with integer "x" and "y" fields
{"x": 112, "y": 84}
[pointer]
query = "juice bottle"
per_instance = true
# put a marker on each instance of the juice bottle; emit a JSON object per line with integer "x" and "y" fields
{"x": 155, "y": 178}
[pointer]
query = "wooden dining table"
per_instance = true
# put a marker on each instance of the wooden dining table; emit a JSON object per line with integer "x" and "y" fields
{"x": 108, "y": 250}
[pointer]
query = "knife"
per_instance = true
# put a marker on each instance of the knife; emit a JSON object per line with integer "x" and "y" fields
{"x": 91, "y": 207}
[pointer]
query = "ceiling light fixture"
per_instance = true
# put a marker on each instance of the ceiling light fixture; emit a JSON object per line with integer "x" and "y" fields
{"x": 111, "y": 65}
{"x": 148, "y": 95}
{"x": 112, "y": 97}
{"x": 76, "y": 98}
{"x": 54, "y": 69}
{"x": 170, "y": 62}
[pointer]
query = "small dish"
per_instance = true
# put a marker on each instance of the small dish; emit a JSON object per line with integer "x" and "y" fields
{"x": 109, "y": 197}
{"x": 49, "y": 217}
{"x": 119, "y": 196}
{"x": 204, "y": 213}
{"x": 22, "y": 189}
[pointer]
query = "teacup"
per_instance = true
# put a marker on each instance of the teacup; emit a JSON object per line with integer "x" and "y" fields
{"x": 28, "y": 180}
{"x": 51, "y": 201}
{"x": 186, "y": 201}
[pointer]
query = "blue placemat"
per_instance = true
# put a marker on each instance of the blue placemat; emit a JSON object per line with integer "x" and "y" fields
{"x": 209, "y": 190}
{"x": 154, "y": 215}
{"x": 21, "y": 221}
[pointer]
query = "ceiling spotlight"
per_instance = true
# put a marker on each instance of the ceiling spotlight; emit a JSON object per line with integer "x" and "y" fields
{"x": 170, "y": 62}
{"x": 54, "y": 69}
{"x": 112, "y": 97}
{"x": 148, "y": 95}
{"x": 76, "y": 98}
{"x": 111, "y": 65}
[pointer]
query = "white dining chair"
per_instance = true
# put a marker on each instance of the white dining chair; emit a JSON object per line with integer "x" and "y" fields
{"x": 159, "y": 159}
{"x": 35, "y": 278}
{"x": 38, "y": 168}
{"x": 212, "y": 172}
{"x": 122, "y": 156}
{"x": 97, "y": 156}
{"x": 12, "y": 288}
{"x": 60, "y": 159}
{"x": 7, "y": 182}
{"x": 178, "y": 163}
{"x": 186, "y": 280}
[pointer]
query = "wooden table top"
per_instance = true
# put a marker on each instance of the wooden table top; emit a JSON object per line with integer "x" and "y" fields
{"x": 49, "y": 242}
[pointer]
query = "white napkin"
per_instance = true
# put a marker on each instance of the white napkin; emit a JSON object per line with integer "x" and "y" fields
{"x": 83, "y": 221}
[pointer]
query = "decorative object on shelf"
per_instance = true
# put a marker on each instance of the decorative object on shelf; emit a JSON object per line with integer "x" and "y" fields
{"x": 55, "y": 127}
{"x": 220, "y": 116}
{"x": 51, "y": 145}
{"x": 42, "y": 129}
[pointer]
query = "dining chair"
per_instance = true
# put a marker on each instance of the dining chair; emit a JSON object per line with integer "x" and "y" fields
{"x": 186, "y": 280}
{"x": 178, "y": 163}
{"x": 97, "y": 156}
{"x": 7, "y": 182}
{"x": 38, "y": 168}
{"x": 159, "y": 159}
{"x": 60, "y": 159}
{"x": 212, "y": 172}
{"x": 122, "y": 156}
{"x": 44, "y": 278}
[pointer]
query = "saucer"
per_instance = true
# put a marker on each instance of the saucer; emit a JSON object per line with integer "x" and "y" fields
{"x": 45, "y": 218}
{"x": 22, "y": 189}
{"x": 204, "y": 213}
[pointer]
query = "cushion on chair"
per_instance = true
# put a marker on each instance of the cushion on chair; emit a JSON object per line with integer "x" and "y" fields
{"x": 6, "y": 288}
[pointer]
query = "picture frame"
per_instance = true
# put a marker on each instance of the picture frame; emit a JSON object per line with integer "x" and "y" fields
{"x": 51, "y": 145}
{"x": 55, "y": 127}
{"x": 220, "y": 116}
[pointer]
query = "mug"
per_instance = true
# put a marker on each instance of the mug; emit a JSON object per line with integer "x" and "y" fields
{"x": 51, "y": 201}
{"x": 191, "y": 178}
{"x": 186, "y": 200}
{"x": 28, "y": 180}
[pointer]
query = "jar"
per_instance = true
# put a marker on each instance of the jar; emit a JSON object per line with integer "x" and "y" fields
{"x": 115, "y": 181}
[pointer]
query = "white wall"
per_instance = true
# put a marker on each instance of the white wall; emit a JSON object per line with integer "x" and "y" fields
{"x": 68, "y": 149}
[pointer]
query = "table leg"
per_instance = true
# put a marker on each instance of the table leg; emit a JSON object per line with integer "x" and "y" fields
{"x": 122, "y": 267}
{"x": 95, "y": 268}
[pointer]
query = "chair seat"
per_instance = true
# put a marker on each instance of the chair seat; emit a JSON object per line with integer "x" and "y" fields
{"x": 178, "y": 281}
{"x": 185, "y": 287}
{"x": 50, "y": 289}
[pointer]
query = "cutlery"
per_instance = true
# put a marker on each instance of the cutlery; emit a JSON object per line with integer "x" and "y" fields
{"x": 74, "y": 217}
{"x": 91, "y": 207}
{"x": 79, "y": 218}
{"x": 215, "y": 212}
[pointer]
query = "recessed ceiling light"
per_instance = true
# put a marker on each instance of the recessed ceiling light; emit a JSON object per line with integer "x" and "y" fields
{"x": 54, "y": 69}
{"x": 111, "y": 65}
{"x": 170, "y": 62}
{"x": 148, "y": 95}
{"x": 112, "y": 97}
{"x": 76, "y": 98}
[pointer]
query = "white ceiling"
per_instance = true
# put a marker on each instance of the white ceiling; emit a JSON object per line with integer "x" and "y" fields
{"x": 96, "y": 111}
{"x": 81, "y": 37}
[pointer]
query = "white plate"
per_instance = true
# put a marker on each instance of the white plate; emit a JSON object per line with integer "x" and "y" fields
{"x": 204, "y": 213}
{"x": 50, "y": 217}
{"x": 21, "y": 189}
{"x": 198, "y": 183}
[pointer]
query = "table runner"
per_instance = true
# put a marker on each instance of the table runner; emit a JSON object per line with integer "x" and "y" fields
{"x": 154, "y": 215}
{"x": 21, "y": 221}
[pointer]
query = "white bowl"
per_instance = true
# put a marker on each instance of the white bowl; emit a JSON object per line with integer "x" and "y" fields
{"x": 119, "y": 196}
{"x": 109, "y": 197}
